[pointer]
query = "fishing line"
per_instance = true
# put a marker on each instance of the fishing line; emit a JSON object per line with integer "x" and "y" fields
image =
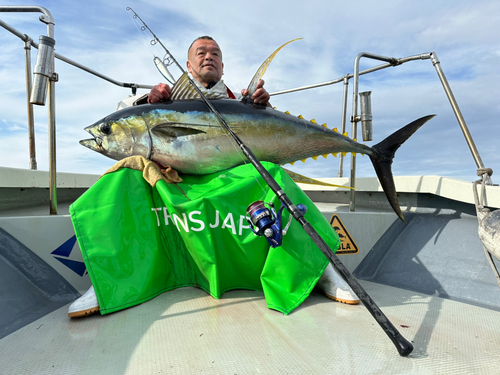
{"x": 142, "y": 33}
{"x": 161, "y": 64}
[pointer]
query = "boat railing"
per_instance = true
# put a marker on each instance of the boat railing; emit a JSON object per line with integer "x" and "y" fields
{"x": 483, "y": 172}
{"x": 45, "y": 77}
{"x": 44, "y": 82}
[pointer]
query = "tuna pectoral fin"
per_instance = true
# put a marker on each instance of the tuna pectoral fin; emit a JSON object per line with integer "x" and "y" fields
{"x": 175, "y": 130}
{"x": 383, "y": 155}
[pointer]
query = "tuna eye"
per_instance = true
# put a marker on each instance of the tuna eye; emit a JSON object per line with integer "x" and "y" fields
{"x": 105, "y": 129}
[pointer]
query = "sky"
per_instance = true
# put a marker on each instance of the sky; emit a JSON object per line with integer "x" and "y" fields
{"x": 102, "y": 36}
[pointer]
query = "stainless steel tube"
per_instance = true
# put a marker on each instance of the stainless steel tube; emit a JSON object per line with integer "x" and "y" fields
{"x": 45, "y": 60}
{"x": 97, "y": 74}
{"x": 74, "y": 63}
{"x": 344, "y": 120}
{"x": 52, "y": 146}
{"x": 31, "y": 121}
{"x": 456, "y": 110}
{"x": 338, "y": 80}
{"x": 354, "y": 117}
{"x": 366, "y": 115}
{"x": 46, "y": 16}
{"x": 391, "y": 61}
{"x": 43, "y": 70}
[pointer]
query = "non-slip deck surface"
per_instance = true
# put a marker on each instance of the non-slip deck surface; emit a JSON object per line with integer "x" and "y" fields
{"x": 188, "y": 332}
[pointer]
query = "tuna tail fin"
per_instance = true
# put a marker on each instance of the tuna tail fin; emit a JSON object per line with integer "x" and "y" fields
{"x": 383, "y": 155}
{"x": 260, "y": 72}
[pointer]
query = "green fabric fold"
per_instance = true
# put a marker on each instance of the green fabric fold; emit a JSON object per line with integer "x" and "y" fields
{"x": 139, "y": 241}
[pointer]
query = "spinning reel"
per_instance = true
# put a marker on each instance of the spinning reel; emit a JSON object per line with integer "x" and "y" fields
{"x": 263, "y": 217}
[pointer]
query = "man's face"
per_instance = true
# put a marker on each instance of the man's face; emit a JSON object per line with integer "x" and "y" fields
{"x": 205, "y": 61}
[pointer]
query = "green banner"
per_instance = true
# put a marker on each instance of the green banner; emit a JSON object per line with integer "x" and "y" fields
{"x": 139, "y": 241}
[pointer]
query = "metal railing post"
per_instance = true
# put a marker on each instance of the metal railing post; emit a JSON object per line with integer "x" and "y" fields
{"x": 458, "y": 113}
{"x": 344, "y": 120}
{"x": 355, "y": 118}
{"x": 31, "y": 121}
{"x": 52, "y": 144}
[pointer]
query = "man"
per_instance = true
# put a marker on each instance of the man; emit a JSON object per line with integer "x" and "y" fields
{"x": 206, "y": 67}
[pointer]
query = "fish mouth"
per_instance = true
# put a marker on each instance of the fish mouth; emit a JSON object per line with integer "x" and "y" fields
{"x": 94, "y": 143}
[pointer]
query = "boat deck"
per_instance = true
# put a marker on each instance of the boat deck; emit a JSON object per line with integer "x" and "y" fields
{"x": 186, "y": 331}
{"x": 431, "y": 280}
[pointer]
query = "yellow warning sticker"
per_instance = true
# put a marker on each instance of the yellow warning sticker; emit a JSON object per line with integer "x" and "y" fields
{"x": 347, "y": 244}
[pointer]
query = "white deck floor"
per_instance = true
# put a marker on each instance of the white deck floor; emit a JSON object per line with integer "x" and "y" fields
{"x": 188, "y": 332}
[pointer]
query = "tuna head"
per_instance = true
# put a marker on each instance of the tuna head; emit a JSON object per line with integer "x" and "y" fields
{"x": 119, "y": 137}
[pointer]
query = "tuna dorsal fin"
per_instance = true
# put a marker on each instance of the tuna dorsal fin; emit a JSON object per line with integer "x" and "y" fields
{"x": 260, "y": 72}
{"x": 184, "y": 90}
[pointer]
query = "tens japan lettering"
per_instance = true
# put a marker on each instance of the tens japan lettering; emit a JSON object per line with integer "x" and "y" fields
{"x": 192, "y": 222}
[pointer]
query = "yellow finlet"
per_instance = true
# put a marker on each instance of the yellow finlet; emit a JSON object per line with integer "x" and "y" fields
{"x": 292, "y": 163}
{"x": 345, "y": 134}
{"x": 324, "y": 125}
{"x": 287, "y": 112}
{"x": 344, "y": 154}
{"x": 325, "y": 155}
{"x": 303, "y": 160}
{"x": 355, "y": 139}
{"x": 313, "y": 121}
{"x": 353, "y": 154}
{"x": 315, "y": 157}
{"x": 301, "y": 117}
{"x": 335, "y": 130}
{"x": 335, "y": 154}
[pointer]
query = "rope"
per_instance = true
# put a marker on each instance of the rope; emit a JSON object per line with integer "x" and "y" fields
{"x": 482, "y": 171}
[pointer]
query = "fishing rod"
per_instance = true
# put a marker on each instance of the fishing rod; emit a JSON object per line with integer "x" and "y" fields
{"x": 161, "y": 64}
{"x": 403, "y": 346}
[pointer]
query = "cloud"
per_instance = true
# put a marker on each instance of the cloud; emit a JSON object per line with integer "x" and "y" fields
{"x": 102, "y": 36}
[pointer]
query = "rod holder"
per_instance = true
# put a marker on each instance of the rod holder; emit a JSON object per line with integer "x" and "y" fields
{"x": 43, "y": 70}
{"x": 366, "y": 115}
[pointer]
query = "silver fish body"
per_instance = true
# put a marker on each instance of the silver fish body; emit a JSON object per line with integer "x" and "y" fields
{"x": 187, "y": 136}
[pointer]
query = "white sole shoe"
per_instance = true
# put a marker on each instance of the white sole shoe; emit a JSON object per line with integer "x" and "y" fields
{"x": 335, "y": 288}
{"x": 85, "y": 305}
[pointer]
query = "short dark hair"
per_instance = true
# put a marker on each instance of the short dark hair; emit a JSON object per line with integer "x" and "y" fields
{"x": 201, "y": 37}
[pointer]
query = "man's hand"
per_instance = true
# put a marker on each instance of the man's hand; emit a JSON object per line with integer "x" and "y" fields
{"x": 260, "y": 95}
{"x": 159, "y": 93}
